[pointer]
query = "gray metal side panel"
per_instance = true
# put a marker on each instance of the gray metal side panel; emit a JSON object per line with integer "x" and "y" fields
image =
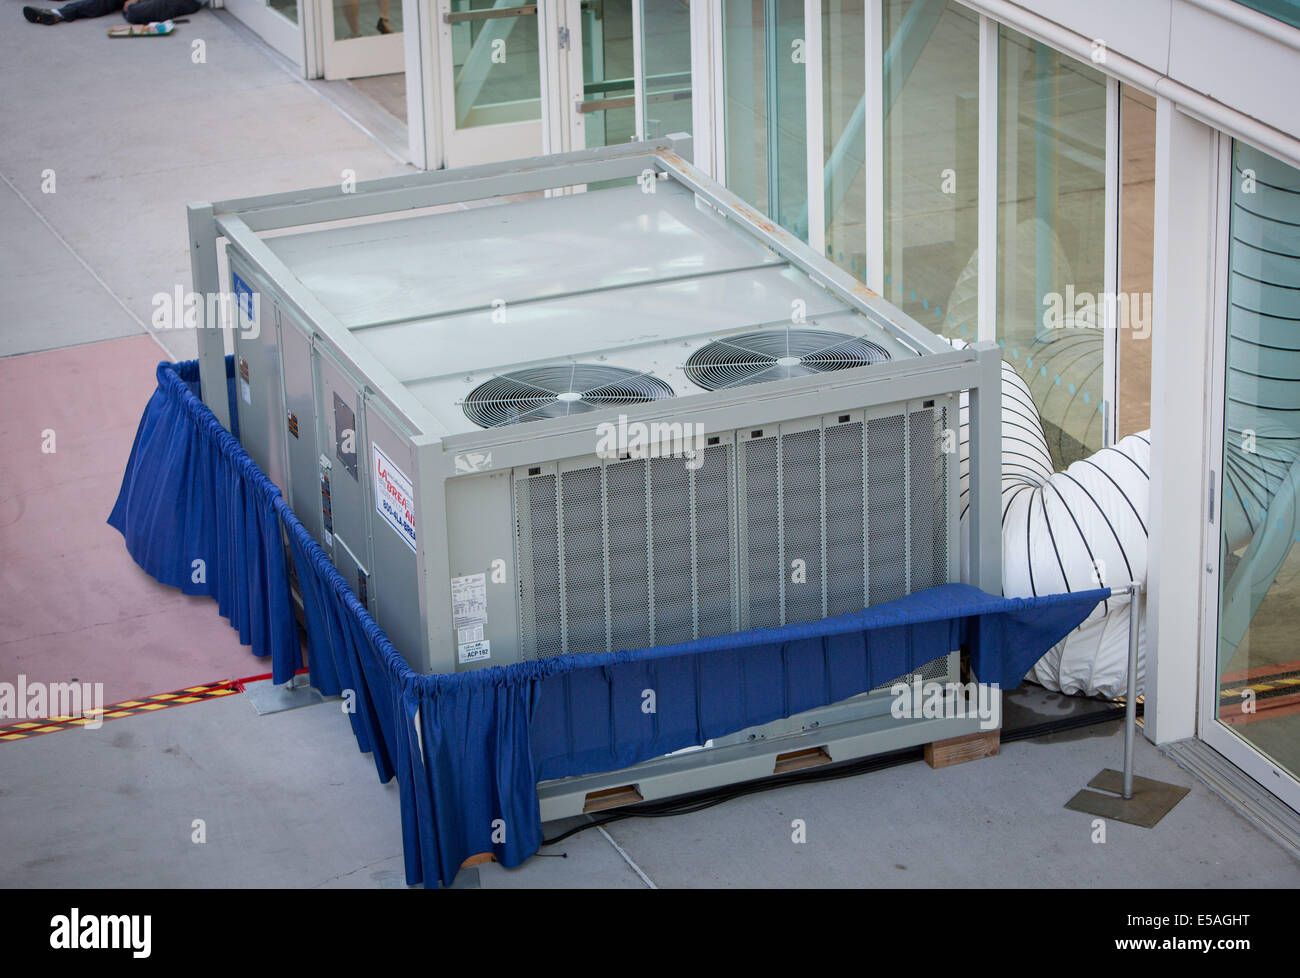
{"x": 303, "y": 451}
{"x": 481, "y": 536}
{"x": 395, "y": 597}
{"x": 349, "y": 493}
{"x": 260, "y": 402}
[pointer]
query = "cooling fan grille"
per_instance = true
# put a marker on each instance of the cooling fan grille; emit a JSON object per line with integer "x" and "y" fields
{"x": 776, "y": 354}
{"x": 557, "y": 391}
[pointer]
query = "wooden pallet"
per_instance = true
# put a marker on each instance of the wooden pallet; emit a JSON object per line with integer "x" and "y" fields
{"x": 959, "y": 750}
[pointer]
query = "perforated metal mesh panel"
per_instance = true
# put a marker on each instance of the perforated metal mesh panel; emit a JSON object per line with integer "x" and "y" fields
{"x": 644, "y": 555}
{"x": 887, "y": 508}
{"x": 762, "y": 575}
{"x": 795, "y": 522}
{"x": 538, "y": 537}
{"x": 846, "y": 524}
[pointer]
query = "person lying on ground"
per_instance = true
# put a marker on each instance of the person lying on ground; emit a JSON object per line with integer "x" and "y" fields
{"x": 135, "y": 11}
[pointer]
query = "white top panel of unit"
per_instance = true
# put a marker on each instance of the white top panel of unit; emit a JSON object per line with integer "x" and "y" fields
{"x": 463, "y": 260}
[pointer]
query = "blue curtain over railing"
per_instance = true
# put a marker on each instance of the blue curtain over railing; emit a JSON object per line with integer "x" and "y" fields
{"x": 468, "y": 749}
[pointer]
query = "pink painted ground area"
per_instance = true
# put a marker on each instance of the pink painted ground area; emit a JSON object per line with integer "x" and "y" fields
{"x": 73, "y": 604}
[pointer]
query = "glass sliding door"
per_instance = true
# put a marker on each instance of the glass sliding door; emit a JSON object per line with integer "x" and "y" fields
{"x": 765, "y": 114}
{"x": 931, "y": 131}
{"x": 1257, "y": 693}
{"x": 1052, "y": 236}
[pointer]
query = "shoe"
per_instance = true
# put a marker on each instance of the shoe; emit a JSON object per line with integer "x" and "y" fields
{"x": 39, "y": 15}
{"x": 383, "y": 27}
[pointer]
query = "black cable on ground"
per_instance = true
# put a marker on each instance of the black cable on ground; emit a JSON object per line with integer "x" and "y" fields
{"x": 701, "y": 800}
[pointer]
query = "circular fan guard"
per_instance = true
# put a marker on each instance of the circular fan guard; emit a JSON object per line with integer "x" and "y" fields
{"x": 537, "y": 393}
{"x": 775, "y": 354}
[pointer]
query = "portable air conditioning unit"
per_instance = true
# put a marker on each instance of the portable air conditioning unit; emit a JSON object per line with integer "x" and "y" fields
{"x": 626, "y": 413}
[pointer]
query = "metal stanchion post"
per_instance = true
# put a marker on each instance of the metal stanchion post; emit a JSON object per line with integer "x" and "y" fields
{"x": 1130, "y": 699}
{"x": 1113, "y": 794}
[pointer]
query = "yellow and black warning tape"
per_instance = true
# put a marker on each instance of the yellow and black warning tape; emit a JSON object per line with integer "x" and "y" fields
{"x": 27, "y": 729}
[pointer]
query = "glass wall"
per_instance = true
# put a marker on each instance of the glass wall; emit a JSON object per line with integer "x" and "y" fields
{"x": 1051, "y": 236}
{"x": 763, "y": 80}
{"x": 1259, "y": 568}
{"x": 931, "y": 114}
{"x": 666, "y": 61}
{"x": 607, "y": 73}
{"x": 845, "y": 133}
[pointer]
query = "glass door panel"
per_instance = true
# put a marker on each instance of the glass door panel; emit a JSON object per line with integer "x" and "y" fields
{"x": 489, "y": 80}
{"x": 608, "y": 105}
{"x": 1258, "y": 681}
{"x": 666, "y": 66}
{"x": 362, "y": 38}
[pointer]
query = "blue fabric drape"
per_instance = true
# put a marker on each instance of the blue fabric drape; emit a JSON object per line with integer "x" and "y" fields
{"x": 468, "y": 749}
{"x": 197, "y": 514}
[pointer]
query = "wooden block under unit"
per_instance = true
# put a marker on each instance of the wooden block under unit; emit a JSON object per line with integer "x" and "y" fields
{"x": 958, "y": 750}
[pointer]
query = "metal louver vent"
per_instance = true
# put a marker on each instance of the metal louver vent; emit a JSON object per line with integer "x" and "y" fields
{"x": 626, "y": 554}
{"x": 786, "y": 523}
{"x": 557, "y": 391}
{"x": 775, "y": 354}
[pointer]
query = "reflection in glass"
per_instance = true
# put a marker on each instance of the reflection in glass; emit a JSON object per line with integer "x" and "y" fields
{"x": 1137, "y": 214}
{"x": 844, "y": 133}
{"x": 666, "y": 60}
{"x": 763, "y": 72}
{"x": 1051, "y": 236}
{"x": 610, "y": 114}
{"x": 1259, "y": 569}
{"x": 287, "y": 9}
{"x": 931, "y": 110}
{"x": 495, "y": 66}
{"x": 366, "y": 18}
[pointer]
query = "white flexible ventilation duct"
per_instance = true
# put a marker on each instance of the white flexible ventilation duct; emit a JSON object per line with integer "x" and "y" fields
{"x": 1082, "y": 528}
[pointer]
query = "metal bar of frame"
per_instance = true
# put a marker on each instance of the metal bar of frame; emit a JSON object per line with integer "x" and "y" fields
{"x": 211, "y": 338}
{"x": 1111, "y": 270}
{"x": 427, "y": 189}
{"x": 874, "y": 102}
{"x": 813, "y": 126}
{"x": 523, "y": 10}
{"x": 987, "y": 205}
{"x": 772, "y": 110}
{"x": 638, "y": 68}
{"x": 1135, "y": 592}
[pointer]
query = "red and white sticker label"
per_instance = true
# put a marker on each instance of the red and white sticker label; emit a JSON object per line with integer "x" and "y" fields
{"x": 394, "y": 496}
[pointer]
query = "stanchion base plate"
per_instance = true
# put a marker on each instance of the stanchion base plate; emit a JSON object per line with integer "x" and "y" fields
{"x": 1151, "y": 801}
